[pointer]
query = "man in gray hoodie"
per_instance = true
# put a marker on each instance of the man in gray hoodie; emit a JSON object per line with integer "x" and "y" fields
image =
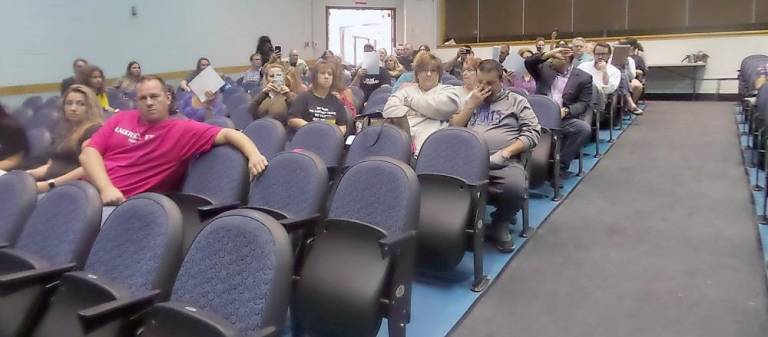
{"x": 507, "y": 123}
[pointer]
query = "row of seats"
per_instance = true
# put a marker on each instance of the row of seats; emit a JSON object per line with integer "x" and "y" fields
{"x": 754, "y": 110}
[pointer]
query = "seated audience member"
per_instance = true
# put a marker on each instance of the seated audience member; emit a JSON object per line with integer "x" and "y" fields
{"x": 393, "y": 67}
{"x": 264, "y": 48}
{"x": 521, "y": 81}
{"x": 326, "y": 54}
{"x": 605, "y": 76}
{"x": 319, "y": 103}
{"x": 144, "y": 150}
{"x": 469, "y": 77}
{"x": 509, "y": 127}
{"x": 252, "y": 77}
{"x": 13, "y": 142}
{"x": 400, "y": 50}
{"x": 370, "y": 82}
{"x": 342, "y": 90}
{"x": 571, "y": 88}
{"x": 407, "y": 57}
{"x": 456, "y": 65}
{"x": 297, "y": 63}
{"x": 540, "y": 44}
{"x": 294, "y": 82}
{"x": 424, "y": 47}
{"x": 82, "y": 118}
{"x": 93, "y": 77}
{"x": 641, "y": 68}
{"x": 77, "y": 66}
{"x": 503, "y": 53}
{"x": 275, "y": 97}
{"x": 192, "y": 108}
{"x": 428, "y": 105}
{"x": 131, "y": 77}
{"x": 761, "y": 78}
{"x": 579, "y": 56}
{"x": 629, "y": 72}
{"x": 382, "y": 55}
{"x": 202, "y": 63}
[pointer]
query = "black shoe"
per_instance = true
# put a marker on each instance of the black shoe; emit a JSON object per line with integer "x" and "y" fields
{"x": 505, "y": 246}
{"x": 565, "y": 174}
{"x": 501, "y": 238}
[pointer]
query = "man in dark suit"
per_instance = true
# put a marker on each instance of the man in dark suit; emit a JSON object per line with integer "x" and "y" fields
{"x": 571, "y": 88}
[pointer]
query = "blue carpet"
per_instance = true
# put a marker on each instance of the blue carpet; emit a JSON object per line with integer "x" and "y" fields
{"x": 755, "y": 176}
{"x": 437, "y": 305}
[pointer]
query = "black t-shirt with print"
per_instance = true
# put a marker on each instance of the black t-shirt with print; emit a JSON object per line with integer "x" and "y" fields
{"x": 309, "y": 107}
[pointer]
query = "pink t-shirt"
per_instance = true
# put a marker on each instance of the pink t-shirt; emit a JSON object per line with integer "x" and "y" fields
{"x": 140, "y": 157}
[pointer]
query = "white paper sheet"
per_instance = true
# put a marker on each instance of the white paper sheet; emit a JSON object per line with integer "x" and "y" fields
{"x": 206, "y": 80}
{"x": 514, "y": 63}
{"x": 371, "y": 62}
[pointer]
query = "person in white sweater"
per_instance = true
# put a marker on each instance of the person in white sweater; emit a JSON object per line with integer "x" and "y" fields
{"x": 428, "y": 105}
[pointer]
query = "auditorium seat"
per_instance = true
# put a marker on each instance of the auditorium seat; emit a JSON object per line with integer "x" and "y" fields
{"x": 18, "y": 196}
{"x": 384, "y": 140}
{"x": 40, "y": 142}
{"x": 33, "y": 102}
{"x": 133, "y": 262}
{"x": 268, "y": 134}
{"x": 44, "y": 118}
{"x": 22, "y": 115}
{"x": 222, "y": 122}
{"x": 453, "y": 199}
{"x": 235, "y": 281}
{"x": 358, "y": 269}
{"x": 321, "y": 138}
{"x": 237, "y": 100}
{"x": 520, "y": 91}
{"x": 548, "y": 113}
{"x": 55, "y": 239}
{"x": 241, "y": 117}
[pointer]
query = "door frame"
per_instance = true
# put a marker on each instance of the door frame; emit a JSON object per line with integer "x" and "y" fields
{"x": 328, "y": 22}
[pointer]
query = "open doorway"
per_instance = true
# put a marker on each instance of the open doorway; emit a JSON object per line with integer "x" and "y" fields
{"x": 350, "y": 28}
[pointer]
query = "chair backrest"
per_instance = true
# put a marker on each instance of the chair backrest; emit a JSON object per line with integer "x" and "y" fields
{"x": 458, "y": 152}
{"x": 251, "y": 87}
{"x": 22, "y": 115}
{"x": 233, "y": 90}
{"x": 378, "y": 99}
{"x": 33, "y": 102}
{"x": 382, "y": 90}
{"x": 139, "y": 245}
{"x": 379, "y": 191}
{"x": 321, "y": 138}
{"x": 40, "y": 143}
{"x": 239, "y": 268}
{"x": 546, "y": 110}
{"x": 374, "y": 107}
{"x": 268, "y": 134}
{"x": 63, "y": 225}
{"x": 221, "y": 121}
{"x": 295, "y": 183}
{"x": 359, "y": 96}
{"x": 241, "y": 117}
{"x": 18, "y": 195}
{"x": 520, "y": 91}
{"x": 454, "y": 82}
{"x": 762, "y": 103}
{"x": 447, "y": 78}
{"x": 44, "y": 118}
{"x": 384, "y": 140}
{"x": 52, "y": 102}
{"x": 237, "y": 100}
{"x": 220, "y": 175}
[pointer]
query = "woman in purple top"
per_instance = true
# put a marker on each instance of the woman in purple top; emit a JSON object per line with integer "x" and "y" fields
{"x": 521, "y": 81}
{"x": 191, "y": 107}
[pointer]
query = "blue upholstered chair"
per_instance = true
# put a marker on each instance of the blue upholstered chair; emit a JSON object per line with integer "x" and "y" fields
{"x": 548, "y": 113}
{"x": 221, "y": 121}
{"x": 268, "y": 134}
{"x": 237, "y": 100}
{"x": 18, "y": 195}
{"x": 321, "y": 138}
{"x": 235, "y": 281}
{"x": 55, "y": 239}
{"x": 384, "y": 140}
{"x": 33, "y": 102}
{"x": 241, "y": 117}
{"x": 362, "y": 256}
{"x": 132, "y": 264}
{"x": 40, "y": 143}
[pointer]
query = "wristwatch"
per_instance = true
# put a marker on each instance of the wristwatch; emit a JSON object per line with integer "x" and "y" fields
{"x": 51, "y": 183}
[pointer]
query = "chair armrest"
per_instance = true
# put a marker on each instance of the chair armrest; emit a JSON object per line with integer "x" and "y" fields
{"x": 392, "y": 243}
{"x": 210, "y": 211}
{"x": 293, "y": 224}
{"x": 121, "y": 308}
{"x": 177, "y": 319}
{"x": 34, "y": 276}
{"x": 269, "y": 331}
{"x": 4, "y": 245}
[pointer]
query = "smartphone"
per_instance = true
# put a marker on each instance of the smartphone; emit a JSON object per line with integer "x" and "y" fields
{"x": 278, "y": 80}
{"x": 278, "y": 49}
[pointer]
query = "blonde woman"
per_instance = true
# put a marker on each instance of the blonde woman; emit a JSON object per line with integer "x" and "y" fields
{"x": 393, "y": 67}
{"x": 81, "y": 118}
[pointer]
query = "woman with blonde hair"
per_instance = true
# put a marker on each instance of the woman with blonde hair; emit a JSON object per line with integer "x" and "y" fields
{"x": 81, "y": 119}
{"x": 276, "y": 95}
{"x": 393, "y": 67}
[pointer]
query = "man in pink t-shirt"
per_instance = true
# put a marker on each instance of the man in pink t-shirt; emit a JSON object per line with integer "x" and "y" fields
{"x": 144, "y": 150}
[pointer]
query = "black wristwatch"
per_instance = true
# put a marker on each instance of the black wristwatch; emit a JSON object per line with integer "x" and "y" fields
{"x": 51, "y": 183}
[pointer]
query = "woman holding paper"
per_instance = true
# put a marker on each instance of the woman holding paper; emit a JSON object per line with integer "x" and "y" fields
{"x": 202, "y": 63}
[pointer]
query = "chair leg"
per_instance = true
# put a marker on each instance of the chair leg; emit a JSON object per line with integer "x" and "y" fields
{"x": 610, "y": 118}
{"x": 526, "y": 223}
{"x": 755, "y": 159}
{"x": 481, "y": 280}
{"x": 556, "y": 170}
{"x": 395, "y": 328}
{"x": 581, "y": 165}
{"x": 597, "y": 134}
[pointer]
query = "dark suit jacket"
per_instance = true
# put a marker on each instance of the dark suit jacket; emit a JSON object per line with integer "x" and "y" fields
{"x": 577, "y": 95}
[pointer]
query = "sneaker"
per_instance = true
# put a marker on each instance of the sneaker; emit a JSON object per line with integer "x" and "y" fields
{"x": 502, "y": 238}
{"x": 638, "y": 112}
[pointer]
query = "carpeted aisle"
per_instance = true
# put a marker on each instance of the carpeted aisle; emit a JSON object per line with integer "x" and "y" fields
{"x": 658, "y": 241}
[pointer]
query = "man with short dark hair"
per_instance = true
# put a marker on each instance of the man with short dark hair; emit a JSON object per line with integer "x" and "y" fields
{"x": 77, "y": 65}
{"x": 297, "y": 63}
{"x": 571, "y": 89}
{"x": 503, "y": 53}
{"x": 540, "y": 44}
{"x": 605, "y": 76}
{"x": 144, "y": 150}
{"x": 507, "y": 123}
{"x": 405, "y": 56}
{"x": 580, "y": 56}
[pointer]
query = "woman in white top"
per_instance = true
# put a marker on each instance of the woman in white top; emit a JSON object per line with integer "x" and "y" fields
{"x": 427, "y": 104}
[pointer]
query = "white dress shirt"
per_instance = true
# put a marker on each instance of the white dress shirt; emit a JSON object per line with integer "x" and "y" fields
{"x": 614, "y": 76}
